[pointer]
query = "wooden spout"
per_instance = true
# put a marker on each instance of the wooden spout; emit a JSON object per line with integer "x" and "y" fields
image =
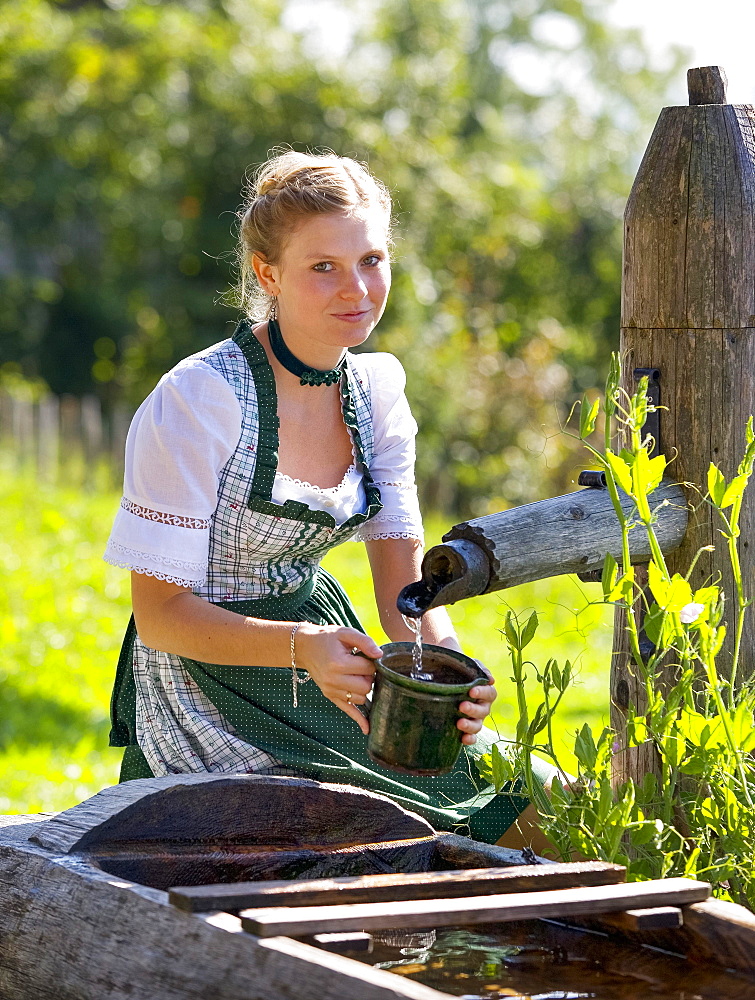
{"x": 567, "y": 534}
{"x": 707, "y": 85}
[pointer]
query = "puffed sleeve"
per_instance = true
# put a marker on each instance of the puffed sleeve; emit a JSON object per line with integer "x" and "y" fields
{"x": 179, "y": 440}
{"x": 392, "y": 466}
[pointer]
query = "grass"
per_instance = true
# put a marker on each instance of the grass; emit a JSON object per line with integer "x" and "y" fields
{"x": 63, "y": 611}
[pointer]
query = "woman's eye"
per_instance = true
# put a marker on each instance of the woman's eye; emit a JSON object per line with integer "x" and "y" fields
{"x": 323, "y": 265}
{"x": 372, "y": 260}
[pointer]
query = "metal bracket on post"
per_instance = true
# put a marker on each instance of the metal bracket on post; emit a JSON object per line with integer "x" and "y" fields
{"x": 652, "y": 425}
{"x": 593, "y": 479}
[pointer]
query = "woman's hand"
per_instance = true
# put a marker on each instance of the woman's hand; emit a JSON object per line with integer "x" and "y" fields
{"x": 340, "y": 661}
{"x": 474, "y": 711}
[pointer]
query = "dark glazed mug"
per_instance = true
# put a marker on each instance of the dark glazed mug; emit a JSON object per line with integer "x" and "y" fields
{"x": 413, "y": 721}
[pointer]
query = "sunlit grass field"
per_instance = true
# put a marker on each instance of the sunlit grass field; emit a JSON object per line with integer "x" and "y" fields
{"x": 63, "y": 612}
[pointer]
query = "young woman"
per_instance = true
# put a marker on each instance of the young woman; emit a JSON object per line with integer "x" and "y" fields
{"x": 247, "y": 463}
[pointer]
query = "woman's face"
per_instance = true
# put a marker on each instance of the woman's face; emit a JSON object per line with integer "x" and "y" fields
{"x": 331, "y": 283}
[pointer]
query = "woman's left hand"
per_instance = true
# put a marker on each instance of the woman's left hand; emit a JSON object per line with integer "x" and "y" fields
{"x": 475, "y": 708}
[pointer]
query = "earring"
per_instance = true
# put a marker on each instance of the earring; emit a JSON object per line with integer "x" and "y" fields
{"x": 274, "y": 308}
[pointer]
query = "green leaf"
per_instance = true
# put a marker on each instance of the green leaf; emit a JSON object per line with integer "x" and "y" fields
{"x": 608, "y": 576}
{"x": 652, "y": 623}
{"x": 620, "y": 470}
{"x": 719, "y": 634}
{"x": 649, "y": 786}
{"x": 706, "y": 595}
{"x": 679, "y": 593}
{"x": 734, "y": 491}
{"x": 673, "y": 744}
{"x": 502, "y": 768}
{"x": 566, "y": 675}
{"x": 742, "y": 722}
{"x": 716, "y": 484}
{"x": 647, "y": 472}
{"x": 539, "y": 722}
{"x": 643, "y": 834}
{"x": 656, "y": 466}
{"x": 637, "y": 732}
{"x": 584, "y": 748}
{"x": 512, "y": 636}
{"x": 528, "y": 632}
{"x": 555, "y": 674}
{"x": 624, "y": 588}
{"x": 588, "y": 416}
{"x": 659, "y": 584}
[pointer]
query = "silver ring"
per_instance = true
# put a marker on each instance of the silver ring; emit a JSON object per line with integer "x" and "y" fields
{"x": 355, "y": 651}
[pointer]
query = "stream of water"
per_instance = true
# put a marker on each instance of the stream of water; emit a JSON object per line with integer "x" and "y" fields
{"x": 415, "y": 626}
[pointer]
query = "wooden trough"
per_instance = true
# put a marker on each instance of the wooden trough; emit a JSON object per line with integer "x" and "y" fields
{"x": 233, "y": 887}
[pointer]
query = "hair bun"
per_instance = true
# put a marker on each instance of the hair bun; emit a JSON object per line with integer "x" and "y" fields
{"x": 268, "y": 185}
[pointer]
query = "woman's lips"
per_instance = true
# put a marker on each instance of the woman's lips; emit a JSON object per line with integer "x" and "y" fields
{"x": 352, "y": 317}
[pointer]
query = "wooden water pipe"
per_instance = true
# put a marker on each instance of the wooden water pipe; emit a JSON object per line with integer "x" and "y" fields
{"x": 566, "y": 534}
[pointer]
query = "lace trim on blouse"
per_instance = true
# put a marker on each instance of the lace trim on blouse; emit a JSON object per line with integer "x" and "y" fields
{"x": 401, "y": 518}
{"x": 324, "y": 490}
{"x": 178, "y": 520}
{"x": 126, "y": 558}
{"x": 376, "y": 535}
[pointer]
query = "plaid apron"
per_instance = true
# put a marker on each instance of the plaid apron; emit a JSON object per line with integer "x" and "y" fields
{"x": 177, "y": 715}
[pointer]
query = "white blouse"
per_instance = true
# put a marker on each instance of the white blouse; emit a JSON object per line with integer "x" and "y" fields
{"x": 183, "y": 435}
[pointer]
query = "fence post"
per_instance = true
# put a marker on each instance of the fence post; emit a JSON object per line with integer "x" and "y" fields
{"x": 688, "y": 309}
{"x": 48, "y": 438}
{"x": 22, "y": 430}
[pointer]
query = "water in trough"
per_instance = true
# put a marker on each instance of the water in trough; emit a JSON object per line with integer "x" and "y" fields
{"x": 544, "y": 960}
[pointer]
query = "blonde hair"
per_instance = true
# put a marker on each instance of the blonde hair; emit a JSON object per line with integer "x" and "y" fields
{"x": 287, "y": 188}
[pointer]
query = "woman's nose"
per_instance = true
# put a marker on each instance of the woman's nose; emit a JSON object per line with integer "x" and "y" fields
{"x": 353, "y": 286}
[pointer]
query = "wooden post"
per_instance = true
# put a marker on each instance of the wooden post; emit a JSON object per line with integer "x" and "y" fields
{"x": 48, "y": 443}
{"x": 688, "y": 309}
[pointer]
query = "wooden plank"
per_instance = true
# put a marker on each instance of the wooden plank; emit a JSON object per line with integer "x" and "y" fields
{"x": 475, "y": 910}
{"x": 383, "y": 888}
{"x": 649, "y": 919}
{"x": 247, "y": 808}
{"x": 347, "y": 942}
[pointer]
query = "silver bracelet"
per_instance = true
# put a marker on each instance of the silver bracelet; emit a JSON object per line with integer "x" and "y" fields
{"x": 296, "y": 680}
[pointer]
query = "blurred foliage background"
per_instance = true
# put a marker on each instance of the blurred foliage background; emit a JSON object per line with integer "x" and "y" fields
{"x": 508, "y": 131}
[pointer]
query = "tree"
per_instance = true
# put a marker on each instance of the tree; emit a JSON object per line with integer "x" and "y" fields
{"x": 127, "y": 126}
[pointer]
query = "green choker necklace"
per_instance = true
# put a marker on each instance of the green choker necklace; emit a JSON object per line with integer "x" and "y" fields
{"x": 305, "y": 374}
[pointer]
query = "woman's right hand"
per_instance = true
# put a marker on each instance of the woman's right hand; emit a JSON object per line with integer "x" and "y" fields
{"x": 340, "y": 661}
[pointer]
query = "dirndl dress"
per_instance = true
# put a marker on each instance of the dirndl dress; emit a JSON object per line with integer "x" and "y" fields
{"x": 178, "y": 715}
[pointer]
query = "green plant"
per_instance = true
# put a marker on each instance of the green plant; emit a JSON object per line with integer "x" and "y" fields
{"x": 692, "y": 812}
